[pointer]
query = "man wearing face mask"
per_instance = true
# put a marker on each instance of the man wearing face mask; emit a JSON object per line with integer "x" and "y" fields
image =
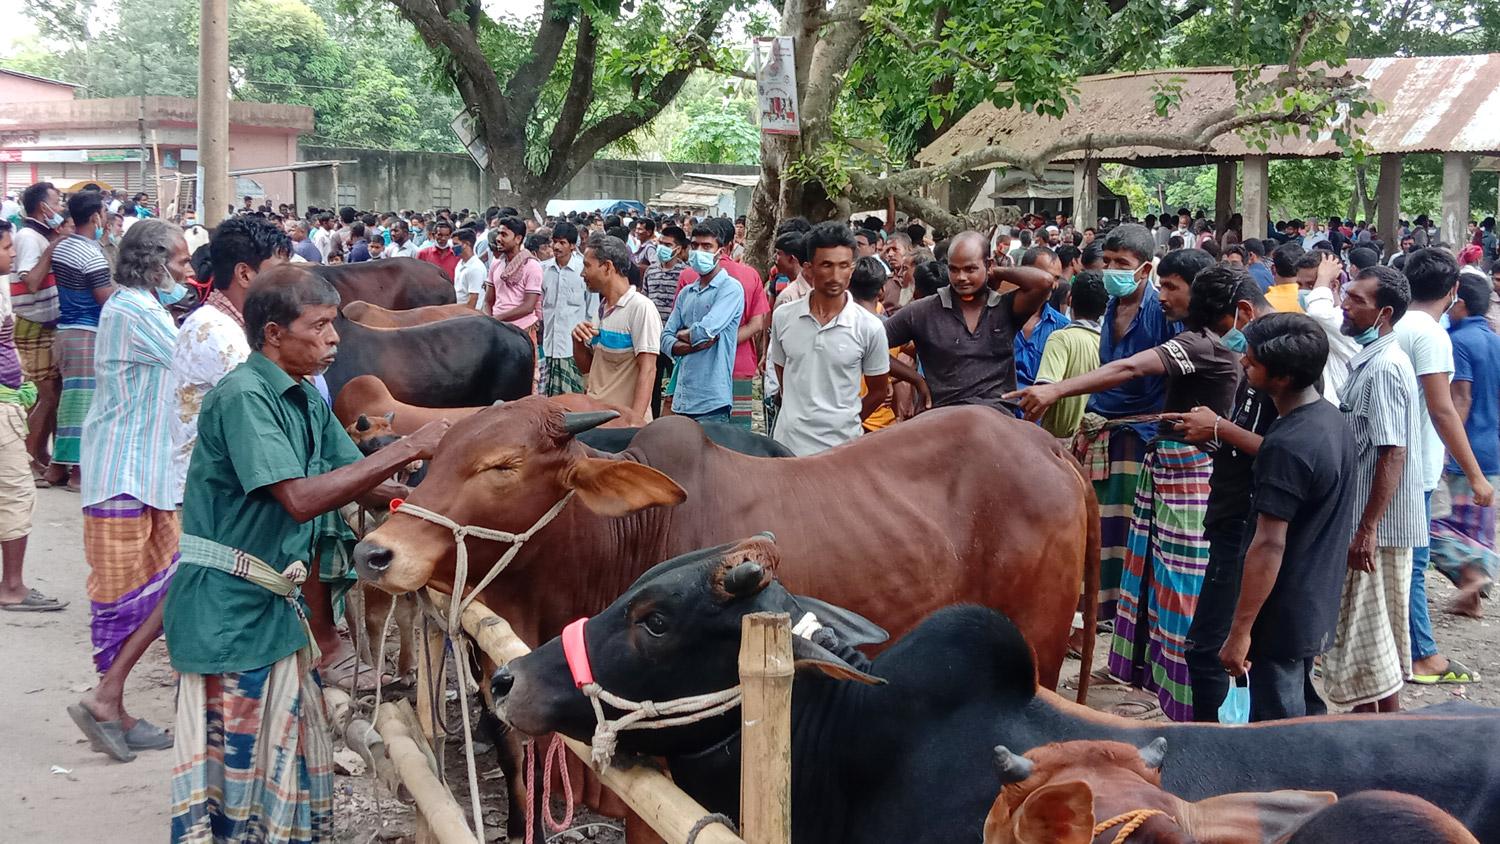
{"x": 439, "y": 252}
{"x": 660, "y": 282}
{"x": 130, "y": 527}
{"x": 1164, "y": 571}
{"x": 83, "y": 286}
{"x": 1111, "y": 440}
{"x": 701, "y": 331}
{"x": 1371, "y": 655}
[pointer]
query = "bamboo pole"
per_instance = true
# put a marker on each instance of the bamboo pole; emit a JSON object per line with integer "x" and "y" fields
{"x": 437, "y": 811}
{"x": 430, "y": 688}
{"x": 647, "y": 791}
{"x": 766, "y": 733}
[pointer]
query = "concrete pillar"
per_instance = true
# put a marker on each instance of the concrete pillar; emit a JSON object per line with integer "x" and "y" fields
{"x": 1388, "y": 201}
{"x": 213, "y": 109}
{"x": 1085, "y": 194}
{"x": 1457, "y": 168}
{"x": 1224, "y": 195}
{"x": 1256, "y": 191}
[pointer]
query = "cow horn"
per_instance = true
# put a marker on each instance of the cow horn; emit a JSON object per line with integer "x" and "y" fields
{"x": 744, "y": 579}
{"x": 1155, "y": 753}
{"x": 498, "y": 402}
{"x": 1012, "y": 768}
{"x": 362, "y": 424}
{"x": 390, "y": 417}
{"x": 577, "y": 423}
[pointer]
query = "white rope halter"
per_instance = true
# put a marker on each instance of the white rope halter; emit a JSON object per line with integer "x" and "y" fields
{"x": 639, "y": 715}
{"x": 456, "y": 608}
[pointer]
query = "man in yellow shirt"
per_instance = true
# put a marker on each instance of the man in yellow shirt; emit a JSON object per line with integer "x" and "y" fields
{"x": 1073, "y": 350}
{"x": 1284, "y": 290}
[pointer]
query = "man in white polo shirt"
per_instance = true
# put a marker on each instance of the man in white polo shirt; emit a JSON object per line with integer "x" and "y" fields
{"x": 618, "y": 356}
{"x": 821, "y": 345}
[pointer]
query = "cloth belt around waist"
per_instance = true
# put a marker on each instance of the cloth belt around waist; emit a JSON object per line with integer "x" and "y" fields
{"x": 24, "y": 395}
{"x": 205, "y": 553}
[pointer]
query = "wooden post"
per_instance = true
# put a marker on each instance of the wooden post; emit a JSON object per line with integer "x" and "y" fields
{"x": 430, "y": 688}
{"x": 648, "y": 792}
{"x": 213, "y": 110}
{"x": 1224, "y": 204}
{"x": 766, "y": 734}
{"x": 438, "y": 814}
{"x": 1388, "y": 201}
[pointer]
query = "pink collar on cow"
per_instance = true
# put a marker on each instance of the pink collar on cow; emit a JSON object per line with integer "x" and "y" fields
{"x": 577, "y": 653}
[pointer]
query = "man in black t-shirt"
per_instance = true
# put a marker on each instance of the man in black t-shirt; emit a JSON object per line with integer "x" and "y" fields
{"x": 1303, "y": 502}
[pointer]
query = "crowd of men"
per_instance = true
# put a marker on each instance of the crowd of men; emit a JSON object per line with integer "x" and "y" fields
{"x": 1283, "y": 432}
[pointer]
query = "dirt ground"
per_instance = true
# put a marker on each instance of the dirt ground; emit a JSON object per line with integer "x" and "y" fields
{"x": 53, "y": 788}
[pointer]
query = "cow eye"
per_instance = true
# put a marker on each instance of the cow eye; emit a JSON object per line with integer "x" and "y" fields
{"x": 655, "y": 624}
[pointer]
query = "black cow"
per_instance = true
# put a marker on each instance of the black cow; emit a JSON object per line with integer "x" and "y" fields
{"x": 730, "y": 436}
{"x": 394, "y": 283}
{"x": 452, "y": 363}
{"x": 909, "y": 760}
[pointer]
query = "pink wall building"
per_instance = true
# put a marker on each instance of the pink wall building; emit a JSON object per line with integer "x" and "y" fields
{"x": 47, "y": 135}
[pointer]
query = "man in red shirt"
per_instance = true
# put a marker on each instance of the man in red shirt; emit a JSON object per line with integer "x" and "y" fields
{"x": 440, "y": 251}
{"x": 753, "y": 324}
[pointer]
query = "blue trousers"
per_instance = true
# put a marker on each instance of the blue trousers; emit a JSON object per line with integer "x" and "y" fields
{"x": 1422, "y": 643}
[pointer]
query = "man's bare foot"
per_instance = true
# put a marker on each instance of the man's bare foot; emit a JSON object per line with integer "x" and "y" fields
{"x": 1468, "y": 603}
{"x": 107, "y": 710}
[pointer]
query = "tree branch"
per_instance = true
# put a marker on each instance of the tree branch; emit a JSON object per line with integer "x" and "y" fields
{"x": 580, "y": 85}
{"x": 473, "y": 67}
{"x": 525, "y": 85}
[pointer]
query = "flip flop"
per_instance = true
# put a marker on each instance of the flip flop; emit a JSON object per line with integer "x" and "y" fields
{"x": 343, "y": 674}
{"x": 1457, "y": 673}
{"x": 104, "y": 736}
{"x": 147, "y": 736}
{"x": 35, "y": 602}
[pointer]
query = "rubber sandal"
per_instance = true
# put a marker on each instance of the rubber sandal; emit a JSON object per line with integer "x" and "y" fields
{"x": 35, "y": 602}
{"x": 1457, "y": 673}
{"x": 104, "y": 736}
{"x": 343, "y": 673}
{"x": 147, "y": 736}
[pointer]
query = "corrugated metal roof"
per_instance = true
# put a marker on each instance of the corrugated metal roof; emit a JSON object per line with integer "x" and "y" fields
{"x": 1432, "y": 104}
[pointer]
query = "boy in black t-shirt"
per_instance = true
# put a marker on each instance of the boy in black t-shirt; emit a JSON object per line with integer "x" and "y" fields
{"x": 1303, "y": 503}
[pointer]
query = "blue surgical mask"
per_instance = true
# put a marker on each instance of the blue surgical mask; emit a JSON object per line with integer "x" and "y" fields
{"x": 1445, "y": 322}
{"x": 1119, "y": 283}
{"x": 664, "y": 253}
{"x": 171, "y": 297}
{"x": 55, "y": 220}
{"x": 701, "y": 261}
{"x": 98, "y": 232}
{"x": 1302, "y": 299}
{"x": 1234, "y": 341}
{"x": 1368, "y": 336}
{"x": 459, "y": 251}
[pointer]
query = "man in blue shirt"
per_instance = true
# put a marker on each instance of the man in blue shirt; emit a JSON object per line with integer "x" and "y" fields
{"x": 1463, "y": 542}
{"x": 1255, "y": 262}
{"x": 700, "y": 334}
{"x": 1032, "y": 337}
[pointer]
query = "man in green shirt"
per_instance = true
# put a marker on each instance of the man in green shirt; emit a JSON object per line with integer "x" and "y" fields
{"x": 270, "y": 468}
{"x": 1073, "y": 350}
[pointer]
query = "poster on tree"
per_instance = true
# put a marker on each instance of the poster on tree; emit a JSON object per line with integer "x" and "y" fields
{"x": 776, "y": 83}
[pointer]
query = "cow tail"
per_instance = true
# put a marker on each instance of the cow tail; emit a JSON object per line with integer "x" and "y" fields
{"x": 1090, "y": 588}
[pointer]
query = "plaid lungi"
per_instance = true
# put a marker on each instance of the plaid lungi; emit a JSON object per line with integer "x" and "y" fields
{"x": 1371, "y": 655}
{"x": 742, "y": 405}
{"x": 1165, "y": 560}
{"x": 1115, "y": 456}
{"x": 131, "y": 550}
{"x": 562, "y": 376}
{"x": 1465, "y": 538}
{"x": 253, "y": 760}
{"x": 34, "y": 348}
{"x": 75, "y": 358}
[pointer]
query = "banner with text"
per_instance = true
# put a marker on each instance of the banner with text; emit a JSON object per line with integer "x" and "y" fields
{"x": 776, "y": 83}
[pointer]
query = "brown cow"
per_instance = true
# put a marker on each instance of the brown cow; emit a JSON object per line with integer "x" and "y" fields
{"x": 367, "y": 396}
{"x": 395, "y": 283}
{"x": 1064, "y": 793}
{"x": 961, "y": 532}
{"x": 375, "y": 316}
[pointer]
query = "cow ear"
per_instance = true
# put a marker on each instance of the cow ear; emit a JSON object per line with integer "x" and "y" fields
{"x": 1057, "y": 813}
{"x": 997, "y": 823}
{"x": 852, "y": 628}
{"x": 618, "y": 487}
{"x": 1272, "y": 813}
{"x": 807, "y": 654}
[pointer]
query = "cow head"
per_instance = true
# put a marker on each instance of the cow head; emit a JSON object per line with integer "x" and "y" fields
{"x": 371, "y": 434}
{"x": 676, "y": 633}
{"x": 1056, "y": 793}
{"x": 503, "y": 468}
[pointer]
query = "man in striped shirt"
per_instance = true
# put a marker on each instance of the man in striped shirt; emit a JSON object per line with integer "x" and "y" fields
{"x": 1371, "y": 655}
